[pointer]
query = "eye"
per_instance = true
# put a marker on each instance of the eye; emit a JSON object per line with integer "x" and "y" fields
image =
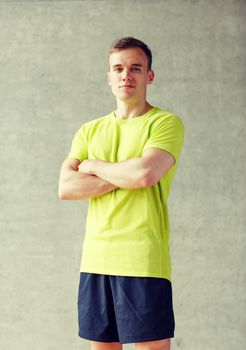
{"x": 136, "y": 69}
{"x": 117, "y": 69}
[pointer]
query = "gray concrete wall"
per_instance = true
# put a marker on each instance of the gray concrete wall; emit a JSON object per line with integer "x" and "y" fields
{"x": 53, "y": 57}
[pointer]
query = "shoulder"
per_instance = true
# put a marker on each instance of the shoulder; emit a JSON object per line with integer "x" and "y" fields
{"x": 90, "y": 123}
{"x": 86, "y": 127}
{"x": 166, "y": 118}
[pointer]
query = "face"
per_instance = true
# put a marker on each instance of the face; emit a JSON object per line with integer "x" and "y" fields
{"x": 128, "y": 75}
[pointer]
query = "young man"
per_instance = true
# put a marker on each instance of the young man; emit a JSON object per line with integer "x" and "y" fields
{"x": 124, "y": 163}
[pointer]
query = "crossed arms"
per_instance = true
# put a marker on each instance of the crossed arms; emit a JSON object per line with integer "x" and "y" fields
{"x": 94, "y": 177}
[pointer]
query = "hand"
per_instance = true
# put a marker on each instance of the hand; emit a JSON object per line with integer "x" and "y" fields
{"x": 86, "y": 166}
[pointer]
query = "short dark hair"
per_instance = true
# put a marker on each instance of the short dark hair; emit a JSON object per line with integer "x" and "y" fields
{"x": 128, "y": 42}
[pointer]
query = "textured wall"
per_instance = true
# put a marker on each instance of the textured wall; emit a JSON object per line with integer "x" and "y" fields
{"x": 53, "y": 57}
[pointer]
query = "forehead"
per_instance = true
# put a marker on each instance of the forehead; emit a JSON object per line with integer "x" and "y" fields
{"x": 128, "y": 57}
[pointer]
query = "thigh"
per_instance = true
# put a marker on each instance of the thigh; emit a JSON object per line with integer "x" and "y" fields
{"x": 143, "y": 308}
{"x": 94, "y": 345}
{"x": 96, "y": 316}
{"x": 163, "y": 344}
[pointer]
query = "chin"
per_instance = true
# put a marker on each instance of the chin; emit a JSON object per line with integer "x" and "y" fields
{"x": 125, "y": 94}
{"x": 124, "y": 97}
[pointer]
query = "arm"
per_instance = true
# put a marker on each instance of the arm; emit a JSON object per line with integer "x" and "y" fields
{"x": 134, "y": 172}
{"x": 77, "y": 185}
{"x": 127, "y": 174}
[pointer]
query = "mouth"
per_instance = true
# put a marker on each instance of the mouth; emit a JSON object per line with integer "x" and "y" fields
{"x": 127, "y": 86}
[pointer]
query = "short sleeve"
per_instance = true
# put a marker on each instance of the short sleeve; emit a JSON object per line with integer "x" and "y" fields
{"x": 79, "y": 149}
{"x": 167, "y": 134}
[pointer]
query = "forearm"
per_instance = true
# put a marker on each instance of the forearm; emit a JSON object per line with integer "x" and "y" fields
{"x": 79, "y": 185}
{"x": 127, "y": 174}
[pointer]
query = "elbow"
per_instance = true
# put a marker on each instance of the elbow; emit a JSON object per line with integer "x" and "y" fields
{"x": 147, "y": 180}
{"x": 148, "y": 177}
{"x": 61, "y": 193}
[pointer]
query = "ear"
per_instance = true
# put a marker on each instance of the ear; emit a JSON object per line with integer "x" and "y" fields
{"x": 151, "y": 76}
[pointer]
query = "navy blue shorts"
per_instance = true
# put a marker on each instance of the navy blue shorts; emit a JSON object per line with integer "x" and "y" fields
{"x": 124, "y": 309}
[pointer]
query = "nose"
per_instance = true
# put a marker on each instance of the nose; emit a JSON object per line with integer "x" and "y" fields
{"x": 126, "y": 75}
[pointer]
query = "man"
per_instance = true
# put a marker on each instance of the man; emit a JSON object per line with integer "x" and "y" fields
{"x": 124, "y": 163}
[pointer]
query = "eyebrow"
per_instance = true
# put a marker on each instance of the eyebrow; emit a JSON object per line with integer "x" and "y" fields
{"x": 134, "y": 64}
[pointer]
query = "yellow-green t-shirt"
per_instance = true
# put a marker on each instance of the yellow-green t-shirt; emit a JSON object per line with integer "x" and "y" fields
{"x": 127, "y": 230}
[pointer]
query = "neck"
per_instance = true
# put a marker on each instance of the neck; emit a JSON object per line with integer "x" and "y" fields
{"x": 128, "y": 111}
